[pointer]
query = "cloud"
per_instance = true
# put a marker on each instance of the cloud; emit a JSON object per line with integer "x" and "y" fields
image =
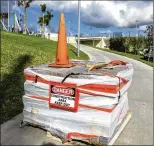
{"x": 108, "y": 13}
{"x": 106, "y": 31}
{"x": 57, "y": 5}
{"x": 142, "y": 27}
{"x": 102, "y": 14}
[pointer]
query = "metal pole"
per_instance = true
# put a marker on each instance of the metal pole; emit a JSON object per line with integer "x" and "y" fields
{"x": 79, "y": 5}
{"x": 136, "y": 37}
{"x": 16, "y": 12}
{"x": 15, "y": 5}
{"x": 14, "y": 22}
{"x": 138, "y": 33}
{"x": 123, "y": 31}
{"x": 8, "y": 16}
{"x": 93, "y": 42}
{"x": 15, "y": 29}
{"x": 136, "y": 27}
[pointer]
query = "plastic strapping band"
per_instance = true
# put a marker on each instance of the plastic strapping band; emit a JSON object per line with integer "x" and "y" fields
{"x": 119, "y": 89}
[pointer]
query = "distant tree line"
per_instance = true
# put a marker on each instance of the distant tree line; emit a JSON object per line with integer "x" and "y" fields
{"x": 132, "y": 44}
{"x": 3, "y": 16}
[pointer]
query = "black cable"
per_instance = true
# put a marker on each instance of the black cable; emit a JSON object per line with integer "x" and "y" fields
{"x": 75, "y": 74}
{"x": 79, "y": 74}
{"x": 69, "y": 75}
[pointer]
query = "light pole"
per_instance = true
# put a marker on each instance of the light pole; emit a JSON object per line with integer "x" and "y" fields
{"x": 123, "y": 31}
{"x": 79, "y": 5}
{"x": 91, "y": 30}
{"x": 136, "y": 26}
{"x": 15, "y": 14}
{"x": 15, "y": 6}
{"x": 136, "y": 36}
{"x": 8, "y": 15}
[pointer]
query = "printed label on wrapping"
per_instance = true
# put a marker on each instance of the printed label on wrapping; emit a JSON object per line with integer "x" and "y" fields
{"x": 64, "y": 97}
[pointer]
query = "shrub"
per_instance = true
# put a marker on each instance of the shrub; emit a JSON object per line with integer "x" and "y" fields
{"x": 128, "y": 44}
{"x": 118, "y": 44}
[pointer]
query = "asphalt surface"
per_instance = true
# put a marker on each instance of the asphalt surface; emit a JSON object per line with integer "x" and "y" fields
{"x": 139, "y": 130}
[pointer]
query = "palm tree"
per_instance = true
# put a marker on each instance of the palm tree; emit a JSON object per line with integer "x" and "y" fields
{"x": 40, "y": 22}
{"x": 43, "y": 9}
{"x": 25, "y": 4}
{"x": 48, "y": 19}
{"x": 3, "y": 16}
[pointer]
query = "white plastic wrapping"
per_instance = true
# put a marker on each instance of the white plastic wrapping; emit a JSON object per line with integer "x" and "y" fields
{"x": 42, "y": 90}
{"x": 85, "y": 121}
{"x": 49, "y": 74}
{"x": 99, "y": 116}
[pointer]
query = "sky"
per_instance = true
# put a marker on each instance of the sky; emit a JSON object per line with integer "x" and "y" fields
{"x": 97, "y": 17}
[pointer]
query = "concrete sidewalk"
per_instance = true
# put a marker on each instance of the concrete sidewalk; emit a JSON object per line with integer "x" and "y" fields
{"x": 11, "y": 134}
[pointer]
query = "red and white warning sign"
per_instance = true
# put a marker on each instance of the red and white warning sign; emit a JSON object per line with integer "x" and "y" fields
{"x": 64, "y": 96}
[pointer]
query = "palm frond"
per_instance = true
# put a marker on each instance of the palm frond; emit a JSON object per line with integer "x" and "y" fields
{"x": 49, "y": 15}
{"x": 25, "y": 3}
{"x": 40, "y": 21}
{"x": 20, "y": 3}
{"x": 43, "y": 8}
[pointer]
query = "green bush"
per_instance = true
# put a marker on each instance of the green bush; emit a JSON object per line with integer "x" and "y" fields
{"x": 117, "y": 44}
{"x": 128, "y": 44}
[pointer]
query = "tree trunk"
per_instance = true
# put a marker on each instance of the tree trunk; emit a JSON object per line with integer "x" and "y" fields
{"x": 43, "y": 27}
{"x": 25, "y": 30}
{"x": 49, "y": 31}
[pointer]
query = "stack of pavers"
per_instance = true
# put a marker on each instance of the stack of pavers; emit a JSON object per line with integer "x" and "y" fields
{"x": 75, "y": 103}
{"x": 81, "y": 100}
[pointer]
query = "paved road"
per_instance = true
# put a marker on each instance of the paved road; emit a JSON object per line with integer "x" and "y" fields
{"x": 139, "y": 130}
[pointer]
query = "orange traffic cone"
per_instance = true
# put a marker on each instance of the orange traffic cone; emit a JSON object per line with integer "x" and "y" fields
{"x": 62, "y": 59}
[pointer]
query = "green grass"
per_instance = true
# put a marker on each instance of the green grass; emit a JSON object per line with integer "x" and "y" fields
{"x": 135, "y": 57}
{"x": 18, "y": 52}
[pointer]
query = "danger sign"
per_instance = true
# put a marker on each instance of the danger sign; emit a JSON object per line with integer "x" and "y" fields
{"x": 63, "y": 90}
{"x": 64, "y": 96}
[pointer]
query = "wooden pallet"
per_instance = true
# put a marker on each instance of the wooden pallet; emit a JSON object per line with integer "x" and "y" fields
{"x": 59, "y": 141}
{"x": 121, "y": 128}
